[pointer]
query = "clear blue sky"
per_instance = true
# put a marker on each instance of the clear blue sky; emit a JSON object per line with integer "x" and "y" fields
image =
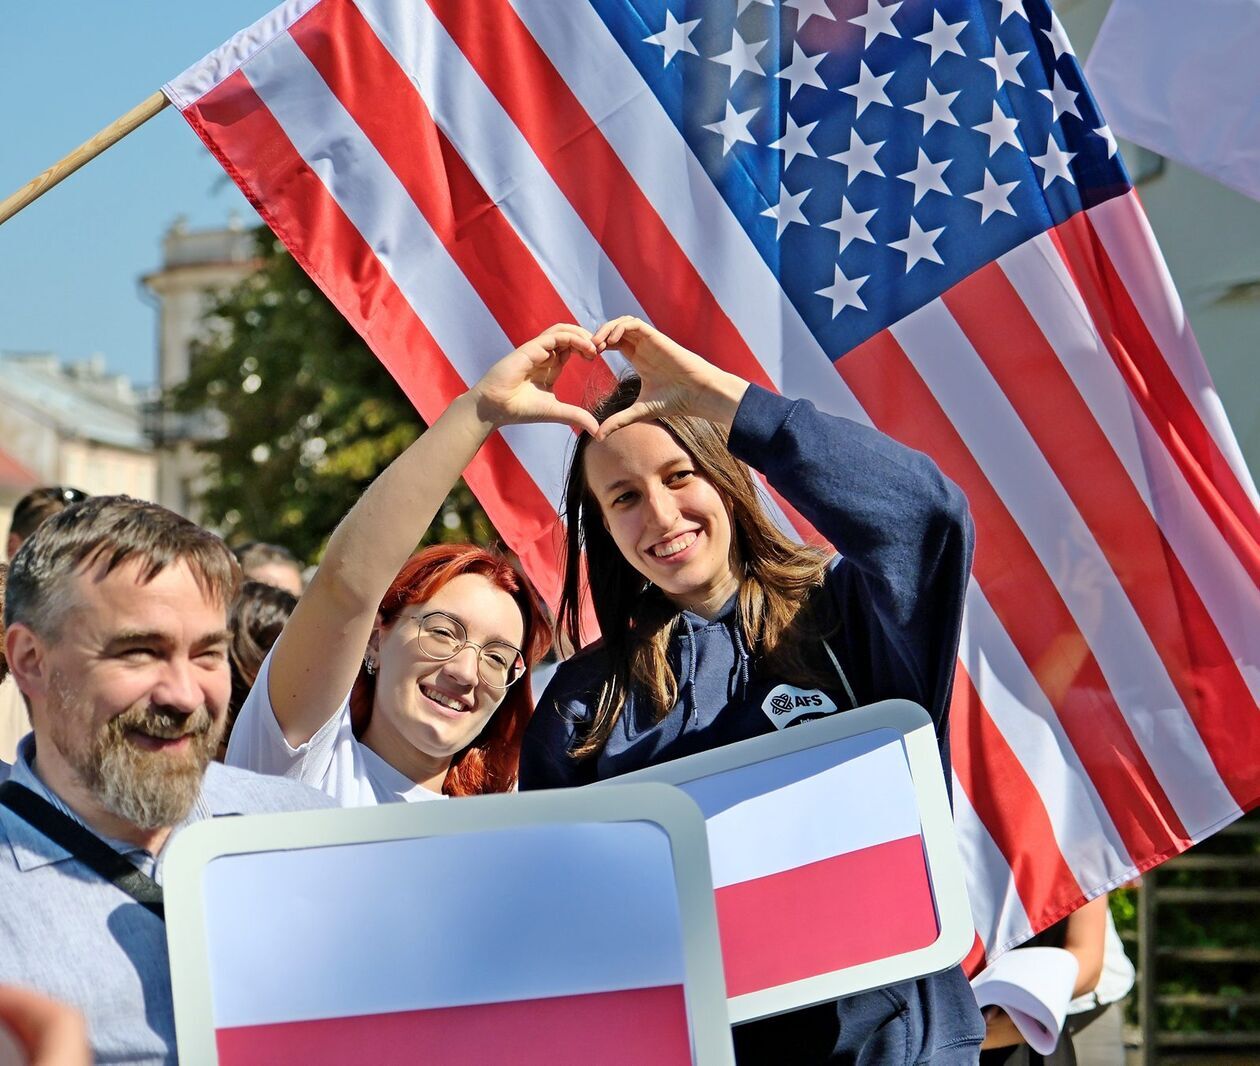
{"x": 71, "y": 261}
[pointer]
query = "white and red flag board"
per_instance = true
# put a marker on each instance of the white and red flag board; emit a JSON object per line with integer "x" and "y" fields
{"x": 833, "y": 857}
{"x": 524, "y": 930}
{"x": 913, "y": 215}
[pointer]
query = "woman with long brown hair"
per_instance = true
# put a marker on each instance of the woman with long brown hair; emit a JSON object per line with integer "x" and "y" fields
{"x": 710, "y": 615}
{"x": 406, "y": 677}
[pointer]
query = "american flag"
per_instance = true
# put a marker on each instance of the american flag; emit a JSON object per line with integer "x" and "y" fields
{"x": 910, "y": 213}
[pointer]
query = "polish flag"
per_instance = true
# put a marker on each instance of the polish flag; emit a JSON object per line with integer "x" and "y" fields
{"x": 818, "y": 861}
{"x": 542, "y": 944}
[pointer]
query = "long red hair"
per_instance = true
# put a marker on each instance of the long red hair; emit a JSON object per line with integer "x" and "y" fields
{"x": 490, "y": 762}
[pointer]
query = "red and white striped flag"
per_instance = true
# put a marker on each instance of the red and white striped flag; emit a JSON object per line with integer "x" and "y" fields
{"x": 534, "y": 945}
{"x": 911, "y": 214}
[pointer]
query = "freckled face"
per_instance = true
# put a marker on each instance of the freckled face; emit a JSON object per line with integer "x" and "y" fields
{"x": 668, "y": 520}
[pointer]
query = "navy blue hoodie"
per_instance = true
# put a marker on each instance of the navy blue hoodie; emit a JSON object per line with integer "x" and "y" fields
{"x": 905, "y": 542}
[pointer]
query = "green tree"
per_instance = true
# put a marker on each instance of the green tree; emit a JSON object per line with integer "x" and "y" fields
{"x": 307, "y": 416}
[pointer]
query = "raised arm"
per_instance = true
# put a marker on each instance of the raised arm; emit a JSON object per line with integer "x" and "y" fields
{"x": 902, "y": 528}
{"x": 317, "y": 657}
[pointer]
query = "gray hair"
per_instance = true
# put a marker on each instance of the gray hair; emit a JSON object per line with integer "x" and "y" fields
{"x": 111, "y": 530}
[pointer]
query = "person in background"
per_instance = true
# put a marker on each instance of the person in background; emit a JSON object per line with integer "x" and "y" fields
{"x": 32, "y": 510}
{"x": 256, "y": 619}
{"x": 116, "y": 633}
{"x": 1096, "y": 1018}
{"x": 35, "y": 508}
{"x": 708, "y": 611}
{"x": 271, "y": 564}
{"x": 405, "y": 677}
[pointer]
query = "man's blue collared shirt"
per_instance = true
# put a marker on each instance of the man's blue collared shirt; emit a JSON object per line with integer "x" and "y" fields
{"x": 72, "y": 935}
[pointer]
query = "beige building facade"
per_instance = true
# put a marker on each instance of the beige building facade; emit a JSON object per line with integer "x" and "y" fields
{"x": 1210, "y": 236}
{"x": 196, "y": 265}
{"x": 70, "y": 424}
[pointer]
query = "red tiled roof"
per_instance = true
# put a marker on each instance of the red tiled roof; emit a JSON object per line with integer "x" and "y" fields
{"x": 15, "y": 475}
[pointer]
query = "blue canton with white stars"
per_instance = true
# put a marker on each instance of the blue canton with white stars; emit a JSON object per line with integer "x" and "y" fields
{"x": 876, "y": 153}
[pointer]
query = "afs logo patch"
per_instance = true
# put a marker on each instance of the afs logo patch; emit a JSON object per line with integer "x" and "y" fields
{"x": 787, "y": 705}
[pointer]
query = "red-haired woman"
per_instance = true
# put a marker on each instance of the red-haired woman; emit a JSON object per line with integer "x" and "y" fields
{"x": 407, "y": 678}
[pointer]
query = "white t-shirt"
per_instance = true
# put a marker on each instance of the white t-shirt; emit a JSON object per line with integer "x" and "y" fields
{"x": 333, "y": 760}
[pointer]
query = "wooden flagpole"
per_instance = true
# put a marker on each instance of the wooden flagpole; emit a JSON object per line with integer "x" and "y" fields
{"x": 87, "y": 151}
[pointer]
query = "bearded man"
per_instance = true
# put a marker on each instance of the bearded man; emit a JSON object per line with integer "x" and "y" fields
{"x": 116, "y": 632}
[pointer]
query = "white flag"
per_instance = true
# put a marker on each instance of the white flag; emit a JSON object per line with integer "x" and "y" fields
{"x": 1182, "y": 80}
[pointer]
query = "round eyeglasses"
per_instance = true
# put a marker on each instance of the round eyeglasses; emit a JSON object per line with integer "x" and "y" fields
{"x": 441, "y": 637}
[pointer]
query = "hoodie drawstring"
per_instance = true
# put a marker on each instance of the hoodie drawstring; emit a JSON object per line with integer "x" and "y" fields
{"x": 689, "y": 688}
{"x": 741, "y": 650}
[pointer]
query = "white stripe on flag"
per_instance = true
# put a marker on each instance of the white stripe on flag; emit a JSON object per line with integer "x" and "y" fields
{"x": 1084, "y": 831}
{"x": 1045, "y": 514}
{"x": 692, "y": 208}
{"x": 225, "y": 60}
{"x": 864, "y": 801}
{"x": 1040, "y": 277}
{"x": 996, "y": 908}
{"x": 1141, "y": 267}
{"x": 376, "y": 203}
{"x": 502, "y": 161}
{"x": 498, "y": 916}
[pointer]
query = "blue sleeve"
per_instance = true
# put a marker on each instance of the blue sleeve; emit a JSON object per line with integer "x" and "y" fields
{"x": 902, "y": 528}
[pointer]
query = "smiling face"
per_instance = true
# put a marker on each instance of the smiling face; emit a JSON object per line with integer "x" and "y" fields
{"x": 666, "y": 518}
{"x": 133, "y": 692}
{"x": 426, "y": 711}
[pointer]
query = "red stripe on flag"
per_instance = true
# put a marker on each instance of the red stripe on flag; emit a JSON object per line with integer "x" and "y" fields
{"x": 975, "y": 960}
{"x": 236, "y": 125}
{"x": 592, "y": 177}
{"x": 626, "y": 1028}
{"x": 577, "y": 155}
{"x": 865, "y": 905}
{"x": 1154, "y": 386}
{"x": 1010, "y": 806}
{"x": 365, "y": 77}
{"x": 1028, "y": 605}
{"x": 990, "y": 312}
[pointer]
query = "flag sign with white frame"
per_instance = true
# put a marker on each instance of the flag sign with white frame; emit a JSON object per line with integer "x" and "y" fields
{"x": 834, "y": 862}
{"x": 557, "y": 927}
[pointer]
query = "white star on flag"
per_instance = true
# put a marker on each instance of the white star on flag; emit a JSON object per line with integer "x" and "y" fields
{"x": 795, "y": 141}
{"x": 1104, "y": 131}
{"x": 859, "y": 157}
{"x": 1058, "y": 38}
{"x": 843, "y": 292}
{"x": 852, "y": 225}
{"x": 803, "y": 70}
{"x": 1000, "y": 130}
{"x": 741, "y": 57}
{"x": 868, "y": 89}
{"x": 927, "y": 176}
{"x": 943, "y": 37}
{"x": 787, "y": 210}
{"x": 675, "y": 37}
{"x": 1054, "y": 163}
{"x": 805, "y": 8}
{"x": 744, "y": 5}
{"x": 993, "y": 197}
{"x": 734, "y": 127}
{"x": 934, "y": 107}
{"x": 1061, "y": 98}
{"x": 878, "y": 19}
{"x": 1009, "y": 8}
{"x": 1005, "y": 64}
{"x": 919, "y": 244}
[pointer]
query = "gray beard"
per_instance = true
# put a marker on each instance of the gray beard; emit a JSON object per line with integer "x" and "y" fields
{"x": 152, "y": 790}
